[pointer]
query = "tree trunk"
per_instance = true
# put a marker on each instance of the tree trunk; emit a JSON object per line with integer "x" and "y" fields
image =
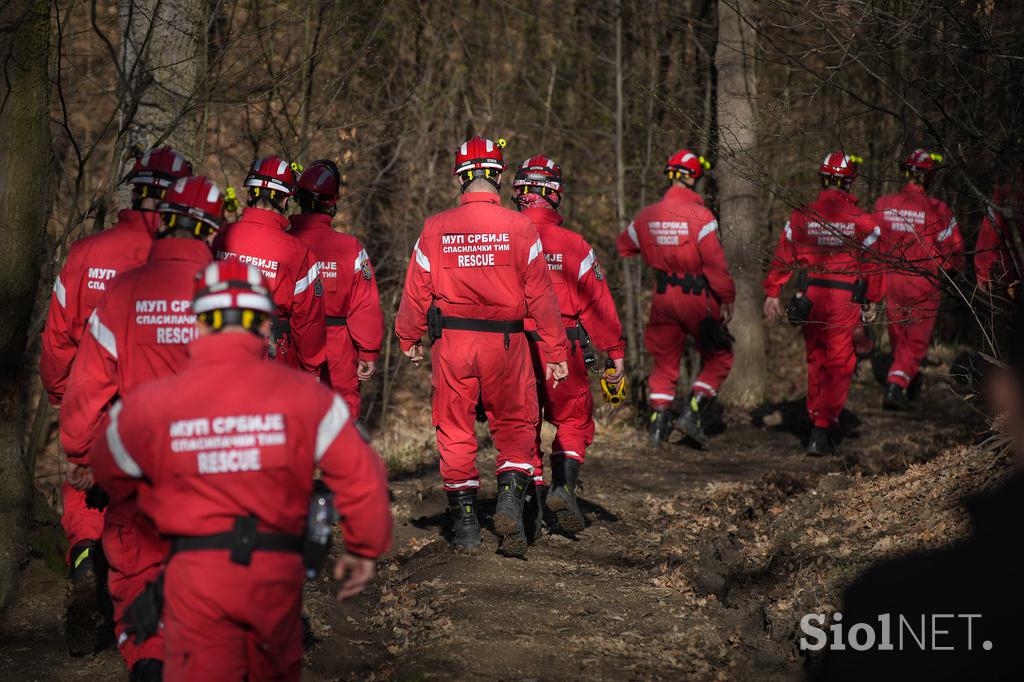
{"x": 163, "y": 54}
{"x": 631, "y": 323}
{"x": 25, "y": 197}
{"x": 739, "y": 198}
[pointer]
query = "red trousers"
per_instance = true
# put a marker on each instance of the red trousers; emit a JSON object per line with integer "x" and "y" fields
{"x": 674, "y": 316}
{"x": 80, "y": 523}
{"x": 342, "y": 362}
{"x": 831, "y": 361}
{"x": 468, "y": 366}
{"x": 913, "y": 306}
{"x": 224, "y": 621}
{"x": 136, "y": 555}
{"x": 569, "y": 407}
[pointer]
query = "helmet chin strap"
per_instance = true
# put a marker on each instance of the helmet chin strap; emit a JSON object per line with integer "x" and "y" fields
{"x": 831, "y": 182}
{"x": 536, "y": 200}
{"x": 481, "y": 174}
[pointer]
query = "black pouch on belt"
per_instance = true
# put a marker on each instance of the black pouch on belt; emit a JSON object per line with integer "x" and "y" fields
{"x": 142, "y": 617}
{"x": 713, "y": 336}
{"x": 243, "y": 540}
{"x": 860, "y": 292}
{"x": 434, "y": 328}
{"x": 317, "y": 543}
{"x": 96, "y": 498}
{"x": 798, "y": 310}
{"x": 661, "y": 278}
{"x": 586, "y": 346}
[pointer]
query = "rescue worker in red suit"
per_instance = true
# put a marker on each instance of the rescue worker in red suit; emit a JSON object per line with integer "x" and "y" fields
{"x": 91, "y": 264}
{"x": 231, "y": 443}
{"x": 139, "y": 332}
{"x": 480, "y": 270}
{"x": 920, "y": 239}
{"x": 586, "y": 304}
{"x": 833, "y": 242}
{"x": 299, "y": 334}
{"x": 678, "y": 237}
{"x": 994, "y": 257}
{"x": 355, "y": 322}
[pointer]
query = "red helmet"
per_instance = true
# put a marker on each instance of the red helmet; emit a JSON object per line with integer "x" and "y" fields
{"x": 159, "y": 168}
{"x": 319, "y": 184}
{"x": 840, "y": 166}
{"x": 479, "y": 158}
{"x": 193, "y": 203}
{"x": 230, "y": 292}
{"x": 272, "y": 173}
{"x": 538, "y": 176}
{"x": 685, "y": 162}
{"x": 921, "y": 161}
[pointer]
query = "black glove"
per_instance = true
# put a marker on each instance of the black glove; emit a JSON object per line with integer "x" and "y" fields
{"x": 798, "y": 310}
{"x": 713, "y": 336}
{"x": 142, "y": 617}
{"x": 96, "y": 498}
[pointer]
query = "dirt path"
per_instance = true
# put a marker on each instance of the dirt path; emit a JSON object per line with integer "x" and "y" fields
{"x": 604, "y": 606}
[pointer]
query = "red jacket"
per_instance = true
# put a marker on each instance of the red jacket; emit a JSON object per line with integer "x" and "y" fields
{"x": 236, "y": 435}
{"x": 259, "y": 239}
{"x": 679, "y": 235}
{"x": 138, "y": 332}
{"x": 920, "y": 236}
{"x": 833, "y": 237}
{"x": 350, "y": 286}
{"x": 481, "y": 261}
{"x": 578, "y": 280}
{"x": 993, "y": 256}
{"x": 90, "y": 265}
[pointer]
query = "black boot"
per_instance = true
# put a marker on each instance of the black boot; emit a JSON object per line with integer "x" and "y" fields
{"x": 661, "y": 426}
{"x": 916, "y": 384}
{"x": 820, "y": 442}
{"x": 465, "y": 524}
{"x": 895, "y": 397}
{"x": 508, "y": 514}
{"x": 88, "y": 620}
{"x": 691, "y": 421}
{"x": 565, "y": 474}
{"x": 147, "y": 670}
{"x": 533, "y": 510}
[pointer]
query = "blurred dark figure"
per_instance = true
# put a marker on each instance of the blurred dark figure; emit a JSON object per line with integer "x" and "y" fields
{"x": 967, "y": 599}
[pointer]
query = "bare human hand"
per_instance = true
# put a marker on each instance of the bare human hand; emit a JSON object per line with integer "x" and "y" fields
{"x": 558, "y": 371}
{"x": 772, "y": 308}
{"x": 79, "y": 476}
{"x": 617, "y": 374}
{"x": 366, "y": 369}
{"x": 360, "y": 572}
{"x": 415, "y": 353}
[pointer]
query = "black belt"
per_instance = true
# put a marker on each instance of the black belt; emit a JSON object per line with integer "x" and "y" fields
{"x": 852, "y": 287}
{"x": 470, "y": 324}
{"x": 336, "y": 321}
{"x": 240, "y": 542}
{"x": 571, "y": 333}
{"x": 857, "y": 289}
{"x": 689, "y": 283}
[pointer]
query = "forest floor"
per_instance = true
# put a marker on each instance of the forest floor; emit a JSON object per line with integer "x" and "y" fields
{"x": 695, "y": 564}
